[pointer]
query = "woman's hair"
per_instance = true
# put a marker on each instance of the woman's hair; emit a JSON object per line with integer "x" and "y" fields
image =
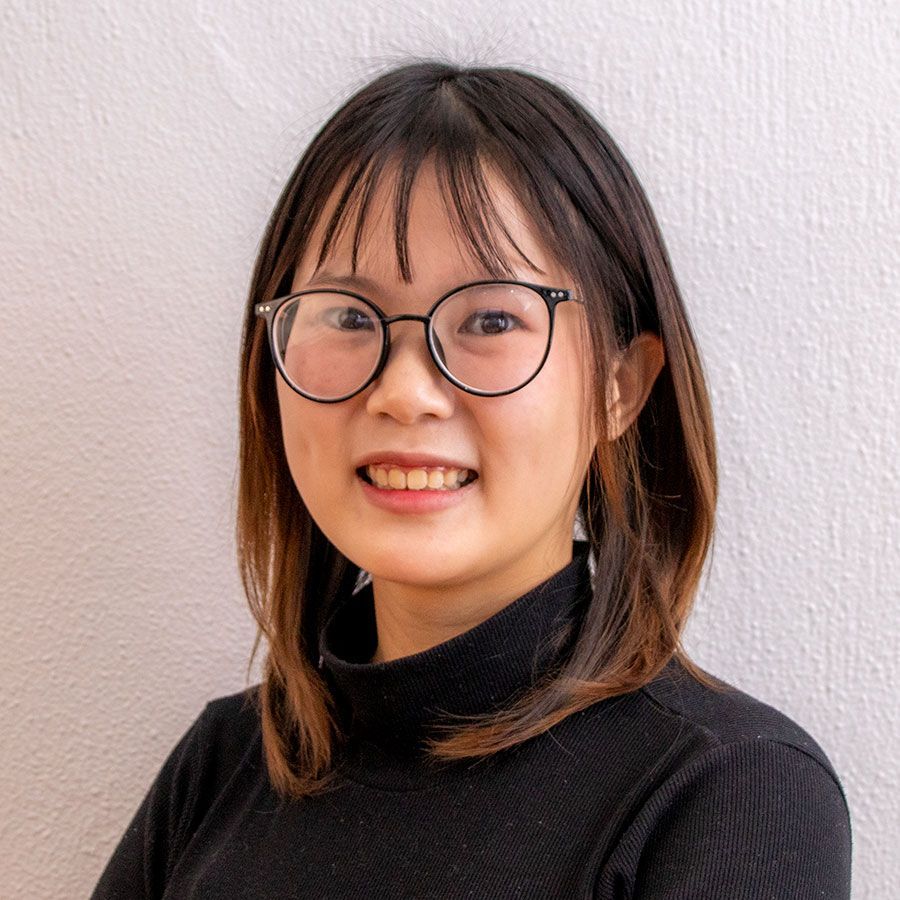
{"x": 648, "y": 499}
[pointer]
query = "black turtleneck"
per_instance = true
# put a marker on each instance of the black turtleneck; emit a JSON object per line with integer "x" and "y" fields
{"x": 672, "y": 791}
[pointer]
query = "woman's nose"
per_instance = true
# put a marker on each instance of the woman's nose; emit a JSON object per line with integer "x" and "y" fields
{"x": 410, "y": 384}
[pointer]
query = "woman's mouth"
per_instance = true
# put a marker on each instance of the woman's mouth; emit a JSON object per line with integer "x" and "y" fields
{"x": 416, "y": 478}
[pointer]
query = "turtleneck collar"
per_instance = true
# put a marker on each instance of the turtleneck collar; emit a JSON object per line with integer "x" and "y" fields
{"x": 392, "y": 704}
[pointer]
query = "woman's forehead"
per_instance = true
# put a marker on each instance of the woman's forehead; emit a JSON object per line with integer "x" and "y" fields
{"x": 492, "y": 236}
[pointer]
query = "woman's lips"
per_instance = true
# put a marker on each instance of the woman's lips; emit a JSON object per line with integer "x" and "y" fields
{"x": 411, "y": 483}
{"x": 412, "y": 501}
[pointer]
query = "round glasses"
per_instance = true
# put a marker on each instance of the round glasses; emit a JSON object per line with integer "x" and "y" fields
{"x": 488, "y": 338}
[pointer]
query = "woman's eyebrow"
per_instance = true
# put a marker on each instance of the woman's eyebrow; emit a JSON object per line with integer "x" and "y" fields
{"x": 358, "y": 281}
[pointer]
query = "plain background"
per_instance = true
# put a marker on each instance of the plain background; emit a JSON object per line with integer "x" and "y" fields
{"x": 143, "y": 146}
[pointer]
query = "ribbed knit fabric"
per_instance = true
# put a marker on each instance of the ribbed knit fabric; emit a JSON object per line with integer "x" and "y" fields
{"x": 672, "y": 791}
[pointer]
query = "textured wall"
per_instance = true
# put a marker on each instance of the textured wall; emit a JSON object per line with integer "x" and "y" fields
{"x": 141, "y": 146}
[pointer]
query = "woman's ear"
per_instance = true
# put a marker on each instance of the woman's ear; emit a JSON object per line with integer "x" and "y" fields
{"x": 631, "y": 379}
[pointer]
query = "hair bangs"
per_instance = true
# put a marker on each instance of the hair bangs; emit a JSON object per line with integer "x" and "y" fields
{"x": 464, "y": 166}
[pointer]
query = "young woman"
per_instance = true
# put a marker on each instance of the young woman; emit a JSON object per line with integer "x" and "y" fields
{"x": 477, "y": 490}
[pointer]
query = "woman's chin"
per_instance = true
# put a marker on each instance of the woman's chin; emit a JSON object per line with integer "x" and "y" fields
{"x": 416, "y": 567}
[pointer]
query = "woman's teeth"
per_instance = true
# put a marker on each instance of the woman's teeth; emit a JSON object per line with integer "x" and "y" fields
{"x": 419, "y": 479}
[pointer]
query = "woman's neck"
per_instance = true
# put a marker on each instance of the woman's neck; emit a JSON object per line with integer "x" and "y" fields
{"x": 411, "y": 618}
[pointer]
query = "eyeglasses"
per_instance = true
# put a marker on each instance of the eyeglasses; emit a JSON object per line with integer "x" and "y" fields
{"x": 488, "y": 338}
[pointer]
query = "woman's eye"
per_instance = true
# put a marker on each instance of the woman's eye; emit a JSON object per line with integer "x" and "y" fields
{"x": 349, "y": 318}
{"x": 490, "y": 321}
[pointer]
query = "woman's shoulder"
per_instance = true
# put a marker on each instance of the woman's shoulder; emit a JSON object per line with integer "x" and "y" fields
{"x": 238, "y": 711}
{"x": 221, "y": 741}
{"x": 735, "y": 793}
{"x": 726, "y": 715}
{"x": 231, "y": 723}
{"x": 223, "y": 738}
{"x": 226, "y": 738}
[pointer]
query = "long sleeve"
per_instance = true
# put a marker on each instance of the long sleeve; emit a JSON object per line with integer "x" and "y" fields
{"x": 747, "y": 820}
{"x": 141, "y": 864}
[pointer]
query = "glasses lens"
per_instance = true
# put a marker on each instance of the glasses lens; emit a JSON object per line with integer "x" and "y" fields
{"x": 328, "y": 343}
{"x": 492, "y": 337}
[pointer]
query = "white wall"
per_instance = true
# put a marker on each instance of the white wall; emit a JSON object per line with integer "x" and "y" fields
{"x": 142, "y": 147}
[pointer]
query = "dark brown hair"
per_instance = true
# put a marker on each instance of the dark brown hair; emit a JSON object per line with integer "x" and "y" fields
{"x": 648, "y": 499}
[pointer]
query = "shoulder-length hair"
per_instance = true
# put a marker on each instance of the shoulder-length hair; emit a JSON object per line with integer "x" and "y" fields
{"x": 648, "y": 498}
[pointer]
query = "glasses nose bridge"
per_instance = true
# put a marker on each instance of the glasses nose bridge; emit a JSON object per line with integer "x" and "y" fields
{"x": 387, "y": 321}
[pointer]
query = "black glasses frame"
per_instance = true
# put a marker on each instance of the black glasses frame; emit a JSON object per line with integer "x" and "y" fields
{"x": 550, "y": 295}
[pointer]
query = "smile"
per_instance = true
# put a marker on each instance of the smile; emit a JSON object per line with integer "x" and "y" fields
{"x": 401, "y": 478}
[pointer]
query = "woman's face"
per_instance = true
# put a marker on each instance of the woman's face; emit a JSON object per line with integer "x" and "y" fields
{"x": 512, "y": 526}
